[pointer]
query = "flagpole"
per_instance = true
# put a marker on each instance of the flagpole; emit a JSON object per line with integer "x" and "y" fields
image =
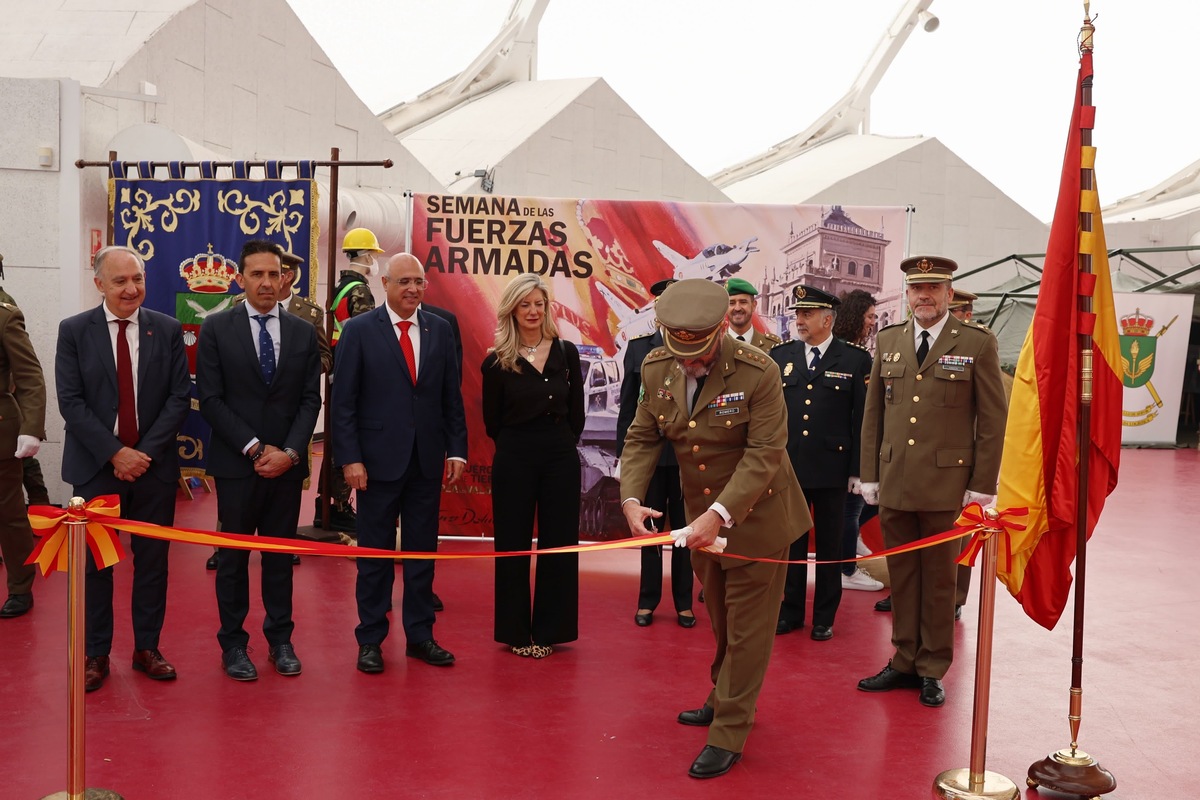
{"x": 1071, "y": 770}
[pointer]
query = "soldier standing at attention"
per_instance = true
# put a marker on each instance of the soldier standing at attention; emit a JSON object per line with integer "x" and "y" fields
{"x": 932, "y": 435}
{"x": 743, "y": 302}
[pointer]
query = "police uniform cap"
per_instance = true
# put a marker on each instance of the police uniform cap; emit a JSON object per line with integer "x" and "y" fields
{"x": 290, "y": 259}
{"x": 740, "y": 286}
{"x": 661, "y": 286}
{"x": 962, "y": 298}
{"x": 690, "y": 313}
{"x": 812, "y": 297}
{"x": 927, "y": 269}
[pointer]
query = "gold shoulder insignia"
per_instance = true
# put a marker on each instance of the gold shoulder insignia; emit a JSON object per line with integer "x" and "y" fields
{"x": 772, "y": 338}
{"x": 659, "y": 353}
{"x": 641, "y": 336}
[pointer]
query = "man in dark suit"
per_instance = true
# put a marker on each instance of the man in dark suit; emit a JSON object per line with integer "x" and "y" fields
{"x": 123, "y": 390}
{"x": 258, "y": 373}
{"x": 664, "y": 494}
{"x": 394, "y": 437}
{"x": 719, "y": 403}
{"x": 933, "y": 432}
{"x": 825, "y": 386}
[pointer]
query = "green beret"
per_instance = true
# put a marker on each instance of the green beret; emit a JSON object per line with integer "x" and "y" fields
{"x": 740, "y": 286}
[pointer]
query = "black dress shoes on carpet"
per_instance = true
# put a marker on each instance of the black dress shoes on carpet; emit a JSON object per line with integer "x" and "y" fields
{"x": 713, "y": 761}
{"x": 437, "y": 603}
{"x": 822, "y": 633}
{"x": 370, "y": 659}
{"x": 957, "y": 612}
{"x": 686, "y": 620}
{"x": 429, "y": 652}
{"x": 643, "y": 619}
{"x": 885, "y": 604}
{"x": 787, "y": 626}
{"x": 16, "y": 605}
{"x": 283, "y": 656}
{"x": 932, "y": 693}
{"x": 700, "y": 717}
{"x": 888, "y": 679}
{"x": 238, "y": 665}
{"x": 211, "y": 564}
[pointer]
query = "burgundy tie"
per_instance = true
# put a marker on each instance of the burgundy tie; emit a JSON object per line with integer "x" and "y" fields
{"x": 127, "y": 429}
{"x": 406, "y": 347}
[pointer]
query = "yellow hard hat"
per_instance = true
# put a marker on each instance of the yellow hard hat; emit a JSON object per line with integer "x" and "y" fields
{"x": 361, "y": 239}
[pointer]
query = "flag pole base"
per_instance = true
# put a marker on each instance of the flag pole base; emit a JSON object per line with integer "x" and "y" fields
{"x": 956, "y": 784}
{"x": 1071, "y": 772}
{"x": 92, "y": 793}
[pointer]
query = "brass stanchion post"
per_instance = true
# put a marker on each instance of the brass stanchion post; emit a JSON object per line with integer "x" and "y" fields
{"x": 76, "y": 656}
{"x": 976, "y": 783}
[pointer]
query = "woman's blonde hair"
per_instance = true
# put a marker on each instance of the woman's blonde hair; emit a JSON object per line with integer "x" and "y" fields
{"x": 508, "y": 340}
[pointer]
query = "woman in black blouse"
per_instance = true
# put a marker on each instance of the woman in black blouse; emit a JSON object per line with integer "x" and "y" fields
{"x": 533, "y": 409}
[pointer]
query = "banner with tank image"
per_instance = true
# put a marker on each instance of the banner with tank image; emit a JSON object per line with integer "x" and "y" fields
{"x": 600, "y": 258}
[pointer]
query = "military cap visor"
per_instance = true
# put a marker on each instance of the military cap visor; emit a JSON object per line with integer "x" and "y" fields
{"x": 927, "y": 269}
{"x": 740, "y": 286}
{"x": 690, "y": 314}
{"x": 290, "y": 260}
{"x": 962, "y": 298}
{"x": 661, "y": 286}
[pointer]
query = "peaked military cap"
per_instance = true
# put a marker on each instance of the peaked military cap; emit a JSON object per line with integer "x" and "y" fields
{"x": 927, "y": 269}
{"x": 812, "y": 297}
{"x": 962, "y": 298}
{"x": 690, "y": 313}
{"x": 661, "y": 286}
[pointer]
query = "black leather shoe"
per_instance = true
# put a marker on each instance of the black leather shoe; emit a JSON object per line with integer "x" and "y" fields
{"x": 932, "y": 693}
{"x": 16, "y": 605}
{"x": 370, "y": 659}
{"x": 429, "y": 652}
{"x": 700, "y": 717}
{"x": 238, "y": 664}
{"x": 713, "y": 761}
{"x": 283, "y": 656}
{"x": 787, "y": 626}
{"x": 885, "y": 604}
{"x": 437, "y": 603}
{"x": 822, "y": 633}
{"x": 957, "y": 612}
{"x": 295, "y": 560}
{"x": 700, "y": 597}
{"x": 686, "y": 621}
{"x": 888, "y": 679}
{"x": 212, "y": 561}
{"x": 95, "y": 670}
{"x": 643, "y": 620}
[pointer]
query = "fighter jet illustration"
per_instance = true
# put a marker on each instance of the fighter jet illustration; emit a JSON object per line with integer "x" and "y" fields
{"x": 715, "y": 262}
{"x": 631, "y": 322}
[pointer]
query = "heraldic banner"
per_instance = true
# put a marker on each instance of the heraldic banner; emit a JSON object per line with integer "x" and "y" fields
{"x": 1154, "y": 330}
{"x": 190, "y": 233}
{"x": 600, "y": 258}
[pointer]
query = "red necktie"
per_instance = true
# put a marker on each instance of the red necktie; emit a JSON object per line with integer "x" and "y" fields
{"x": 406, "y": 347}
{"x": 127, "y": 429}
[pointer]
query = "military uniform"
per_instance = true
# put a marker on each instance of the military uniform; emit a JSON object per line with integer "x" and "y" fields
{"x": 825, "y": 412}
{"x": 932, "y": 430}
{"x": 731, "y": 450}
{"x": 763, "y": 341}
{"x": 31, "y": 476}
{"x": 352, "y": 296}
{"x": 22, "y": 413}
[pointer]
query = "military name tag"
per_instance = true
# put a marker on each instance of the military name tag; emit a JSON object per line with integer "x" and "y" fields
{"x": 721, "y": 412}
{"x": 956, "y": 363}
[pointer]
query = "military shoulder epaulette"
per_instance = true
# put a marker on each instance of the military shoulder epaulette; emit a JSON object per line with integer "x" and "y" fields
{"x": 772, "y": 338}
{"x": 307, "y": 304}
{"x": 752, "y": 355}
{"x": 975, "y": 327}
{"x": 899, "y": 324}
{"x": 658, "y": 354}
{"x": 645, "y": 335}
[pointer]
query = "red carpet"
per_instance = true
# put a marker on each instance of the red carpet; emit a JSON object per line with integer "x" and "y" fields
{"x": 597, "y": 719}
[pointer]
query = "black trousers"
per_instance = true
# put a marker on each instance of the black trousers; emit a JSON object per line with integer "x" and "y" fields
{"x": 828, "y": 506}
{"x": 148, "y": 499}
{"x": 16, "y": 537}
{"x": 535, "y": 475}
{"x": 268, "y": 507}
{"x": 666, "y": 494}
{"x": 415, "y": 498}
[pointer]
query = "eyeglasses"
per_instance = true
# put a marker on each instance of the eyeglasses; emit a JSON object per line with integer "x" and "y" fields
{"x": 404, "y": 283}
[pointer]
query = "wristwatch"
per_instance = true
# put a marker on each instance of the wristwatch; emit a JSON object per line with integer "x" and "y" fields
{"x": 293, "y": 455}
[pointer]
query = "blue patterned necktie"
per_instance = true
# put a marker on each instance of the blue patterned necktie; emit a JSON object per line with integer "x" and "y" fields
{"x": 816, "y": 359}
{"x": 266, "y": 349}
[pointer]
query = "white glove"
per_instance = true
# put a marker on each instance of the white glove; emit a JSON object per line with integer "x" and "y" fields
{"x": 27, "y": 446}
{"x": 617, "y": 471}
{"x": 985, "y": 500}
{"x": 854, "y": 486}
{"x": 870, "y": 493}
{"x": 680, "y": 536}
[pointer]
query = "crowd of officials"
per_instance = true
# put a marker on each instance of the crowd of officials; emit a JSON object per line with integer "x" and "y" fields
{"x": 736, "y": 441}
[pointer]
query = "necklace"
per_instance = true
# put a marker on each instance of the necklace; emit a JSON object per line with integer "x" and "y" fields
{"x": 533, "y": 350}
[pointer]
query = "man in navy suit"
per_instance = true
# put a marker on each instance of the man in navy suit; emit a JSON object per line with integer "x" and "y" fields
{"x": 394, "y": 435}
{"x": 258, "y": 374}
{"x": 123, "y": 391}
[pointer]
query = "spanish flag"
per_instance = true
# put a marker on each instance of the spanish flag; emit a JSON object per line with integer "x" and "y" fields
{"x": 1042, "y": 446}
